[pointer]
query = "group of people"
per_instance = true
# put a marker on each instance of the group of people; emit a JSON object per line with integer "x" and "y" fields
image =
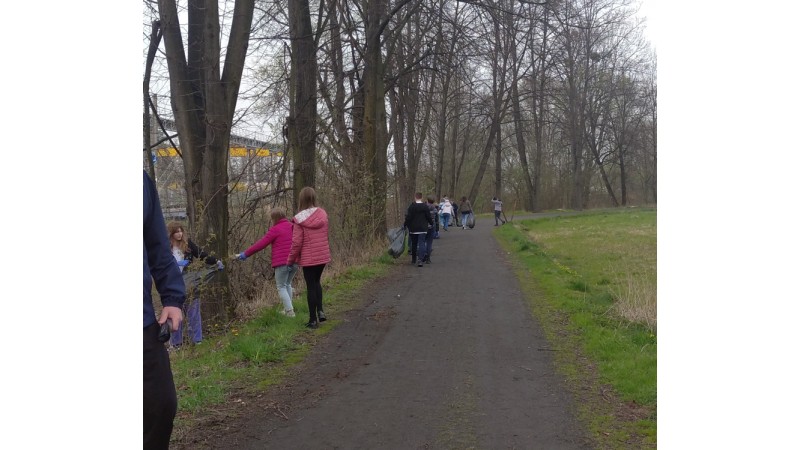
{"x": 299, "y": 242}
{"x": 423, "y": 219}
{"x": 302, "y": 241}
{"x": 168, "y": 251}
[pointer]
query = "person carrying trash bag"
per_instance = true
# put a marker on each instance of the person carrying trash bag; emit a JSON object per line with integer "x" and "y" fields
{"x": 418, "y": 219}
{"x": 466, "y": 213}
{"x": 185, "y": 251}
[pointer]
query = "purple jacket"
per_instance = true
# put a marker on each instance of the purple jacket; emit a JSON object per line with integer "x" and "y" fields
{"x": 280, "y": 236}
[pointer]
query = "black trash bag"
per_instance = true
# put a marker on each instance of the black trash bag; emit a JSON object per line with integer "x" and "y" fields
{"x": 397, "y": 241}
{"x": 193, "y": 279}
{"x": 471, "y": 221}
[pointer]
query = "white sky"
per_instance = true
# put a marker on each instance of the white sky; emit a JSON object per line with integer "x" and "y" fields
{"x": 648, "y": 10}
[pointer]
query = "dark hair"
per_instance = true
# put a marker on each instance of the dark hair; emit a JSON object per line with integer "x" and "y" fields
{"x": 418, "y": 195}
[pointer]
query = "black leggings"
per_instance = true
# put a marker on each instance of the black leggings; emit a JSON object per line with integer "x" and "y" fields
{"x": 313, "y": 277}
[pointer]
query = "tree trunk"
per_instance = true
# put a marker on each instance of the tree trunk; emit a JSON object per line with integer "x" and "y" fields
{"x": 155, "y": 41}
{"x": 203, "y": 101}
{"x": 302, "y": 122}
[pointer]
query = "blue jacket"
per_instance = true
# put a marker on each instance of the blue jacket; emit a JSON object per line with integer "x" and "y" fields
{"x": 159, "y": 264}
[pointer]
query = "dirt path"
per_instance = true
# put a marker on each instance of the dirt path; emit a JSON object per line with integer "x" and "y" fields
{"x": 443, "y": 356}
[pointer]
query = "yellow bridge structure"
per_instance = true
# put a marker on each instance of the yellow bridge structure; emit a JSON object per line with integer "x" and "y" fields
{"x": 234, "y": 152}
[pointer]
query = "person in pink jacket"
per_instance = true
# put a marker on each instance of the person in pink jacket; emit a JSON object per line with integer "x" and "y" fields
{"x": 311, "y": 250}
{"x": 280, "y": 237}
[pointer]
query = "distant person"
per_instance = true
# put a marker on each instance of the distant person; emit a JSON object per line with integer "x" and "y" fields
{"x": 185, "y": 251}
{"x": 280, "y": 237}
{"x": 447, "y": 211}
{"x": 498, "y": 209}
{"x": 431, "y": 229}
{"x": 160, "y": 401}
{"x": 455, "y": 213}
{"x": 310, "y": 248}
{"x": 466, "y": 212}
{"x": 418, "y": 219}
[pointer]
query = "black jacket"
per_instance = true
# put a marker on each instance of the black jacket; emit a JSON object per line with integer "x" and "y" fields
{"x": 197, "y": 252}
{"x": 418, "y": 218}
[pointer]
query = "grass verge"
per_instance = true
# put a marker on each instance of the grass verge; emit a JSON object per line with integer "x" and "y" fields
{"x": 590, "y": 281}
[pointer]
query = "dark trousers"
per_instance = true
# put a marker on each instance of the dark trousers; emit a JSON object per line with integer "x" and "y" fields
{"x": 160, "y": 400}
{"x": 313, "y": 277}
{"x": 429, "y": 244}
{"x": 417, "y": 246}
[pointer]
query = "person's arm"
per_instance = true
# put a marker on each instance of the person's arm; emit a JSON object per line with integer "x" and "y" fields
{"x": 297, "y": 244}
{"x": 198, "y": 252}
{"x": 161, "y": 263}
{"x": 262, "y": 243}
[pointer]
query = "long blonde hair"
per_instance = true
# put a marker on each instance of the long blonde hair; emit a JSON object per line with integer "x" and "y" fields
{"x": 183, "y": 244}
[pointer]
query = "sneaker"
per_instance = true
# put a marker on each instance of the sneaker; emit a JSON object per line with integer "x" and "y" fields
{"x": 173, "y": 348}
{"x": 428, "y": 261}
{"x": 420, "y": 264}
{"x": 312, "y": 325}
{"x": 321, "y": 316}
{"x": 289, "y": 313}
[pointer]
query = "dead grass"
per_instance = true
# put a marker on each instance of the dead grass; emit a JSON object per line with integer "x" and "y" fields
{"x": 635, "y": 295}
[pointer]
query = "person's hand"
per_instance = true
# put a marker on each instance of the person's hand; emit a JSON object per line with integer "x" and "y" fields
{"x": 183, "y": 263}
{"x": 174, "y": 313}
{"x": 220, "y": 266}
{"x": 241, "y": 256}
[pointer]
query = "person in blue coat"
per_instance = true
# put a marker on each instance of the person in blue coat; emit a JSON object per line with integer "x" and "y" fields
{"x": 160, "y": 401}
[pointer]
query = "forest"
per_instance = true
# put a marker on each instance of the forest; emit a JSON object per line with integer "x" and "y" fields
{"x": 544, "y": 104}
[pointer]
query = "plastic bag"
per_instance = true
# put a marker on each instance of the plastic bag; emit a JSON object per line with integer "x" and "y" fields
{"x": 471, "y": 221}
{"x": 397, "y": 241}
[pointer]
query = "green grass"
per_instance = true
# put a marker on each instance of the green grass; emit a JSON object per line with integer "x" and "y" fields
{"x": 590, "y": 280}
{"x": 257, "y": 354}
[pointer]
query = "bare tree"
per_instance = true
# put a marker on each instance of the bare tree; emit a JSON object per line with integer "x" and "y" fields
{"x": 204, "y": 95}
{"x": 302, "y": 122}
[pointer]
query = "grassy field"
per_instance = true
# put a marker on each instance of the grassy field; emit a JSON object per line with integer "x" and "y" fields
{"x": 591, "y": 283}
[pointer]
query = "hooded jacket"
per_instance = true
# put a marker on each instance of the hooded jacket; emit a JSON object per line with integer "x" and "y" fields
{"x": 310, "y": 238}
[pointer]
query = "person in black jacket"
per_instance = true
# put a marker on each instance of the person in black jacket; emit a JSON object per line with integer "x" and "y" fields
{"x": 418, "y": 220}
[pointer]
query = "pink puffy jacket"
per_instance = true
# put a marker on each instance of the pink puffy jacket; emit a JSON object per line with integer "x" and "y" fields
{"x": 280, "y": 236}
{"x": 310, "y": 238}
